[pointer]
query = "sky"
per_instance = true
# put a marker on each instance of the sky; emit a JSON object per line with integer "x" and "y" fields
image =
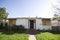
{"x": 26, "y": 8}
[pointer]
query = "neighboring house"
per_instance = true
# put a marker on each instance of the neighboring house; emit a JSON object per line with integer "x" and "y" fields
{"x": 55, "y": 25}
{"x": 3, "y": 22}
{"x": 55, "y": 22}
{"x": 32, "y": 22}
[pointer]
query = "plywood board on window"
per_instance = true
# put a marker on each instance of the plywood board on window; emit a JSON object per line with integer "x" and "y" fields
{"x": 12, "y": 21}
{"x": 46, "y": 21}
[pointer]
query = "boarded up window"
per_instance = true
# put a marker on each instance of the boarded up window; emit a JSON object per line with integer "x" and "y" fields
{"x": 12, "y": 21}
{"x": 46, "y": 21}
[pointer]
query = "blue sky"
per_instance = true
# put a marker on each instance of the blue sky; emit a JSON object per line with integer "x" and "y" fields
{"x": 26, "y": 8}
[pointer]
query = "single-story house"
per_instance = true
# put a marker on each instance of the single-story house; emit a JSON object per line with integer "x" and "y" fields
{"x": 32, "y": 22}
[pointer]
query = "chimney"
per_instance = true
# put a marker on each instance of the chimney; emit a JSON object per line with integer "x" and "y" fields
{"x": 36, "y": 16}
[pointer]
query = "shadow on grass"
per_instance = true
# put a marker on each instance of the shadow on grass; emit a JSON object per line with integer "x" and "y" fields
{"x": 55, "y": 32}
{"x": 50, "y": 31}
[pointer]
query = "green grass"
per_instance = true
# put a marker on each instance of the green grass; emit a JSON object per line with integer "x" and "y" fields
{"x": 5, "y": 35}
{"x": 15, "y": 36}
{"x": 47, "y": 36}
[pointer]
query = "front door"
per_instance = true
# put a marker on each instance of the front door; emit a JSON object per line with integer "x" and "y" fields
{"x": 31, "y": 24}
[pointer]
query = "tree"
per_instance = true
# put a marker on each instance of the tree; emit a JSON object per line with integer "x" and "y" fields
{"x": 56, "y": 17}
{"x": 56, "y": 10}
{"x": 3, "y": 14}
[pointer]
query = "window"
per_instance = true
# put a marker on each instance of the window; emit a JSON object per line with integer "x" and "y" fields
{"x": 46, "y": 21}
{"x": 12, "y": 21}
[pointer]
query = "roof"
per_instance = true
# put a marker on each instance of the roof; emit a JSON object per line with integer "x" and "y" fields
{"x": 29, "y": 18}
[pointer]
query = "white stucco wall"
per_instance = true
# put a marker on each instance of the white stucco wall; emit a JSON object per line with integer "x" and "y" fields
{"x": 40, "y": 26}
{"x": 54, "y": 22}
{"x": 58, "y": 23}
{"x": 23, "y": 22}
{"x": 46, "y": 27}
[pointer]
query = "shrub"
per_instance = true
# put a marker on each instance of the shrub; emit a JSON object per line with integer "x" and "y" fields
{"x": 14, "y": 27}
{"x": 20, "y": 27}
{"x": 8, "y": 29}
{"x": 1, "y": 25}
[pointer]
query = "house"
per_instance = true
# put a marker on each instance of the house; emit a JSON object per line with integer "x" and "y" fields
{"x": 32, "y": 22}
{"x": 55, "y": 24}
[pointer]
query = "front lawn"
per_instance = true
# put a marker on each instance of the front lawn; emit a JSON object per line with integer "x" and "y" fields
{"x": 47, "y": 36}
{"x": 11, "y": 35}
{"x": 15, "y": 36}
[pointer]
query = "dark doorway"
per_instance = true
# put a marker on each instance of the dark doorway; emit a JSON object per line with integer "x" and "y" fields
{"x": 31, "y": 24}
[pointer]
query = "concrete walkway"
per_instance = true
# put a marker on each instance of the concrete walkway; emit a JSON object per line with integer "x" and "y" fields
{"x": 32, "y": 37}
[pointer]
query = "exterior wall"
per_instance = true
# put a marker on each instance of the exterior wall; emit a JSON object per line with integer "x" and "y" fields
{"x": 58, "y": 22}
{"x": 40, "y": 26}
{"x": 23, "y": 22}
{"x": 54, "y": 22}
{"x": 47, "y": 27}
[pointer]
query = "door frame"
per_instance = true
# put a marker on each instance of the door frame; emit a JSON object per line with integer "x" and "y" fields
{"x": 34, "y": 24}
